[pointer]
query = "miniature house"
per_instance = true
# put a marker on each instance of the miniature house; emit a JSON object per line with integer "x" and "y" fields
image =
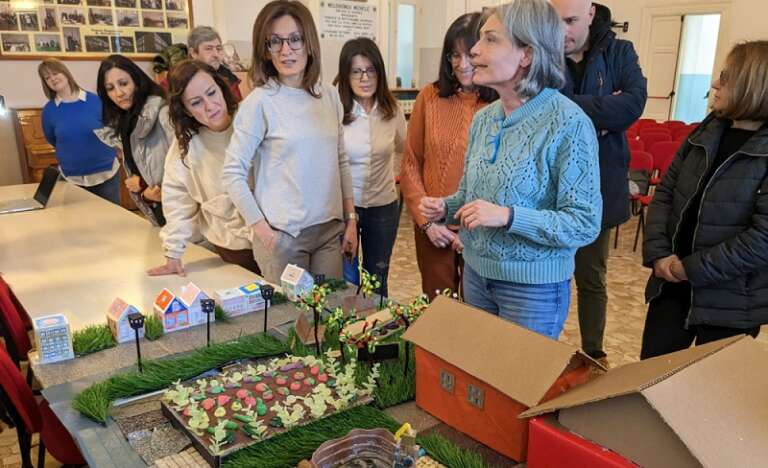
{"x": 117, "y": 319}
{"x": 295, "y": 282}
{"x": 170, "y": 310}
{"x": 252, "y": 292}
{"x": 190, "y": 298}
{"x": 232, "y": 301}
{"x": 703, "y": 406}
{"x": 53, "y": 338}
{"x": 476, "y": 372}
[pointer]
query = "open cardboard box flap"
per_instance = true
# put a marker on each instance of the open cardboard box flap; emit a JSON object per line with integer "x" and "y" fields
{"x": 712, "y": 397}
{"x": 519, "y": 363}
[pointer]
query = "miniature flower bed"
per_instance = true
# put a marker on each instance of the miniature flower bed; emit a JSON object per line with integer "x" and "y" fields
{"x": 246, "y": 404}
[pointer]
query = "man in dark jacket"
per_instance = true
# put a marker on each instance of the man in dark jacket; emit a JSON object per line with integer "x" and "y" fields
{"x": 604, "y": 78}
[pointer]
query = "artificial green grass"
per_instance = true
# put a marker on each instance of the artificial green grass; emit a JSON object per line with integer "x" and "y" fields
{"x": 91, "y": 339}
{"x": 278, "y": 298}
{"x": 95, "y": 401}
{"x": 447, "y": 453}
{"x": 289, "y": 448}
{"x": 221, "y": 315}
{"x": 153, "y": 328}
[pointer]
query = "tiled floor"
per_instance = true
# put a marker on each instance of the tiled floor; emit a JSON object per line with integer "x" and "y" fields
{"x": 626, "y": 311}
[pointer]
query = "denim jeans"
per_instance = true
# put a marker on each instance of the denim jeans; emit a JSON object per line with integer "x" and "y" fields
{"x": 378, "y": 230}
{"x": 108, "y": 190}
{"x": 541, "y": 308}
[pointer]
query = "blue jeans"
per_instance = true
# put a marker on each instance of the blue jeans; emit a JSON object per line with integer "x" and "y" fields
{"x": 108, "y": 190}
{"x": 378, "y": 230}
{"x": 542, "y": 308}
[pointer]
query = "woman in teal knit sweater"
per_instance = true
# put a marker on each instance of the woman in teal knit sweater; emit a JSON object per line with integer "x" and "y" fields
{"x": 530, "y": 193}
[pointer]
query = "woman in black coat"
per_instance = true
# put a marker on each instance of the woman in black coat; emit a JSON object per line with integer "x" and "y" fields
{"x": 707, "y": 230}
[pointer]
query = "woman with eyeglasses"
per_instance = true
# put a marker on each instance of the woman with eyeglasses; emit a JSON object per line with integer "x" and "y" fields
{"x": 289, "y": 132}
{"x": 433, "y": 160}
{"x": 374, "y": 136}
{"x": 707, "y": 227}
{"x": 530, "y": 193}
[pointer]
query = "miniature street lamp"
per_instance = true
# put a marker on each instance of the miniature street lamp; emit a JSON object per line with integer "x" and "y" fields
{"x": 136, "y": 321}
{"x": 383, "y": 267}
{"x": 319, "y": 280}
{"x": 209, "y": 307}
{"x": 267, "y": 291}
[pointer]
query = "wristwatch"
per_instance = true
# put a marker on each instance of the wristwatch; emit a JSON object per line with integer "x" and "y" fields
{"x": 350, "y": 216}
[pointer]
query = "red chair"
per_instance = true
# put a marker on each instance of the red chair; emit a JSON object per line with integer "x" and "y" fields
{"x": 673, "y": 125}
{"x": 31, "y": 417}
{"x": 641, "y": 123}
{"x": 638, "y": 161}
{"x": 635, "y": 145}
{"x": 663, "y": 153}
{"x": 651, "y": 137}
{"x": 20, "y": 308}
{"x": 14, "y": 330}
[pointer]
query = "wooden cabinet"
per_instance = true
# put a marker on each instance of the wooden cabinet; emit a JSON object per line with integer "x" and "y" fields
{"x": 35, "y": 153}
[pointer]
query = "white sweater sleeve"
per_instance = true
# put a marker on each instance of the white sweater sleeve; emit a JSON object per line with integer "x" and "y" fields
{"x": 180, "y": 209}
{"x": 250, "y": 127}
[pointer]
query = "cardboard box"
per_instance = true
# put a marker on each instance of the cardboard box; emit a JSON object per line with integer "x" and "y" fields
{"x": 477, "y": 372}
{"x": 117, "y": 319}
{"x": 551, "y": 445}
{"x": 53, "y": 338}
{"x": 704, "y": 406}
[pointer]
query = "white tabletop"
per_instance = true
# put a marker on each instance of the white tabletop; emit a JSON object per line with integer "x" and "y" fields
{"x": 80, "y": 252}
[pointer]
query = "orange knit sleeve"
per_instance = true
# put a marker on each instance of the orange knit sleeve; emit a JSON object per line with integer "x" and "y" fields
{"x": 411, "y": 176}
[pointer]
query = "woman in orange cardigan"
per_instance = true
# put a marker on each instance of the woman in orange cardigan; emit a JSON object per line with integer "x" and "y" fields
{"x": 433, "y": 161}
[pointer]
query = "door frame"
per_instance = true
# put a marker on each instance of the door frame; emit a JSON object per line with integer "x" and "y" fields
{"x": 723, "y": 36}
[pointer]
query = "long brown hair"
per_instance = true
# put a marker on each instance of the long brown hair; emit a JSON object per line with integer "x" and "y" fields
{"x": 262, "y": 68}
{"x": 50, "y": 66}
{"x": 185, "y": 126}
{"x": 383, "y": 96}
{"x": 746, "y": 69}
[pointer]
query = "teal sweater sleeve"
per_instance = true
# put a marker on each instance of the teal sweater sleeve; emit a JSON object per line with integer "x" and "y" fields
{"x": 576, "y": 220}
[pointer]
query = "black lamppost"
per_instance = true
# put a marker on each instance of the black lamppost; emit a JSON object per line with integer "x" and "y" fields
{"x": 136, "y": 321}
{"x": 267, "y": 292}
{"x": 209, "y": 307}
{"x": 319, "y": 280}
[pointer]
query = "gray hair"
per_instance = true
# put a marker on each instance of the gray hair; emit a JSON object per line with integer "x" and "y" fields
{"x": 201, "y": 34}
{"x": 536, "y": 24}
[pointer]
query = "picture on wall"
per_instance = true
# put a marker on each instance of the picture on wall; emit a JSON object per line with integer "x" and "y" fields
{"x": 47, "y": 42}
{"x": 50, "y": 23}
{"x": 92, "y": 28}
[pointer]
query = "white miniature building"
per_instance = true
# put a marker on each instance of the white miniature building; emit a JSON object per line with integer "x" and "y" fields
{"x": 53, "y": 338}
{"x": 170, "y": 310}
{"x": 190, "y": 297}
{"x": 252, "y": 292}
{"x": 232, "y": 301}
{"x": 117, "y": 319}
{"x": 295, "y": 282}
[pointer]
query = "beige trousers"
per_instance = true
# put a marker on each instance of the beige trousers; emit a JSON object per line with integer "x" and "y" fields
{"x": 316, "y": 249}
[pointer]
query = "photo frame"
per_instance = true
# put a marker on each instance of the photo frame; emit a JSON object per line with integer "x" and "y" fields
{"x": 91, "y": 29}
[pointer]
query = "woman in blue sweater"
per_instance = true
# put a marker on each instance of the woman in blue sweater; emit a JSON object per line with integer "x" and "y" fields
{"x": 530, "y": 193}
{"x": 69, "y": 119}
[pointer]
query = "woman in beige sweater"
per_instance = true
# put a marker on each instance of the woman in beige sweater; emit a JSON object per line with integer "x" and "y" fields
{"x": 195, "y": 203}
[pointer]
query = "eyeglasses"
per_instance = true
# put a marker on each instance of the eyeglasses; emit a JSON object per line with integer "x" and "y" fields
{"x": 357, "y": 73}
{"x": 455, "y": 57}
{"x": 294, "y": 41}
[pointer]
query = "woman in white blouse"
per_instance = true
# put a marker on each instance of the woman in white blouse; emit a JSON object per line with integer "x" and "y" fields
{"x": 374, "y": 137}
